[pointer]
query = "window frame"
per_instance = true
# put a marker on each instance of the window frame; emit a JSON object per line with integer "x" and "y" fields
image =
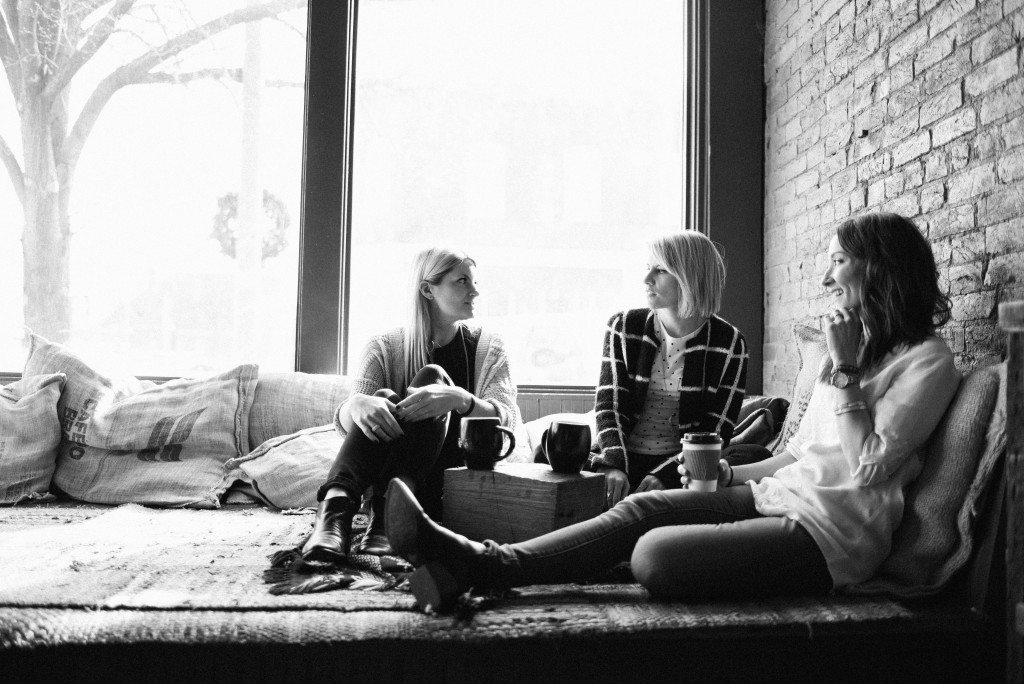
{"x": 326, "y": 226}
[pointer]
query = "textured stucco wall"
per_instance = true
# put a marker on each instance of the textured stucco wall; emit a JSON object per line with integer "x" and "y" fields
{"x": 913, "y": 106}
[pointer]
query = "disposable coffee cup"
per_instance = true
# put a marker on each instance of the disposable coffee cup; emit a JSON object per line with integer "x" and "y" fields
{"x": 701, "y": 453}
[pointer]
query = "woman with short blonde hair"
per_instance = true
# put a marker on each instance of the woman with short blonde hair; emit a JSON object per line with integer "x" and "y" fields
{"x": 672, "y": 368}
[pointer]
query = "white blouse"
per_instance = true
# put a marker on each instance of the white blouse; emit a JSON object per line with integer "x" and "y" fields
{"x": 852, "y": 515}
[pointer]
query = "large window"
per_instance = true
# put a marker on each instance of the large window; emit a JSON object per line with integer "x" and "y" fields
{"x": 543, "y": 137}
{"x": 150, "y": 205}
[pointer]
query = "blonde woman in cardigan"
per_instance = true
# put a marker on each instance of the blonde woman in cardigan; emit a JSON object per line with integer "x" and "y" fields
{"x": 411, "y": 390}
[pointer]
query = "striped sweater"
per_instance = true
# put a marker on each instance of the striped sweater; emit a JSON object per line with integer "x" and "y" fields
{"x": 714, "y": 380}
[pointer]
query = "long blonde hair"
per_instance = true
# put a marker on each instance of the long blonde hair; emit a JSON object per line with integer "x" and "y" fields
{"x": 697, "y": 266}
{"x": 430, "y": 266}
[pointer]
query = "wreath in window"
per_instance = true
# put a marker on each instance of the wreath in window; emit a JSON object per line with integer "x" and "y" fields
{"x": 224, "y": 221}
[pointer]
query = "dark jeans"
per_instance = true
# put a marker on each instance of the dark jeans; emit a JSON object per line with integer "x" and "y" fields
{"x": 414, "y": 457}
{"x": 681, "y": 544}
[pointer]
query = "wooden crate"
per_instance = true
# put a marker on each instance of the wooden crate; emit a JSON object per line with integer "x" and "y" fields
{"x": 518, "y": 501}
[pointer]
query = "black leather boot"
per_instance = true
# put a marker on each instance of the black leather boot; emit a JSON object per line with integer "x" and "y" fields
{"x": 329, "y": 540}
{"x": 375, "y": 541}
{"x": 448, "y": 564}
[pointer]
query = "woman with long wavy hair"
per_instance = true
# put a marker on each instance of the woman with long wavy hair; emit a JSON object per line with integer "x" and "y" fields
{"x": 815, "y": 517}
{"x": 411, "y": 390}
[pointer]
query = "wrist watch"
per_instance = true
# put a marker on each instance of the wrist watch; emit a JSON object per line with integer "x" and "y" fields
{"x": 844, "y": 375}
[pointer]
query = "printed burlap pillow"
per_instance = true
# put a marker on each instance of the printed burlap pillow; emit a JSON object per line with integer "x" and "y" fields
{"x": 29, "y": 435}
{"x": 126, "y": 440}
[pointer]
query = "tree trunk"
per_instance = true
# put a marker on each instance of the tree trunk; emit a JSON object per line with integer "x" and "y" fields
{"x": 46, "y": 236}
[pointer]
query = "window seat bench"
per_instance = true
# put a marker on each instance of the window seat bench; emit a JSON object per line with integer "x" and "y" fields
{"x": 188, "y": 604}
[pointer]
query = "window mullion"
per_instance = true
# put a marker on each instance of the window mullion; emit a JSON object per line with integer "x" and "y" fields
{"x": 325, "y": 216}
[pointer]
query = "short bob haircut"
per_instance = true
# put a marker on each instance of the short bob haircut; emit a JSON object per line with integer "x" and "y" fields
{"x": 696, "y": 264}
{"x": 901, "y": 302}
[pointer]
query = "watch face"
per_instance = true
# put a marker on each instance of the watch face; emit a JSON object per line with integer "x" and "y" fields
{"x": 840, "y": 380}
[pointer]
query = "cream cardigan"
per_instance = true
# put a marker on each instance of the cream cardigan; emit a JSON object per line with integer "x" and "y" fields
{"x": 382, "y": 365}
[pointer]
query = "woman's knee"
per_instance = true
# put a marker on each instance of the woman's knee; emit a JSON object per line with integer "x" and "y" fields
{"x": 389, "y": 394}
{"x": 656, "y": 563}
{"x": 431, "y": 374}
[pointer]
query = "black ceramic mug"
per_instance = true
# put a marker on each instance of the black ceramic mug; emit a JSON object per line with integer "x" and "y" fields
{"x": 566, "y": 446}
{"x": 480, "y": 442}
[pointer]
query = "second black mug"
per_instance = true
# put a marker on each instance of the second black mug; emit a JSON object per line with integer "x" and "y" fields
{"x": 566, "y": 446}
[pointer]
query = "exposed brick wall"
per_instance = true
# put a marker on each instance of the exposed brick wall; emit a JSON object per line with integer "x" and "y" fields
{"x": 913, "y": 106}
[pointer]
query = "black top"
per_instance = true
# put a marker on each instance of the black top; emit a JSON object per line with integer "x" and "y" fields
{"x": 456, "y": 358}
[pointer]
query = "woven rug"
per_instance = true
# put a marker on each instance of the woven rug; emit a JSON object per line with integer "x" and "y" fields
{"x": 137, "y": 557}
{"x": 133, "y": 574}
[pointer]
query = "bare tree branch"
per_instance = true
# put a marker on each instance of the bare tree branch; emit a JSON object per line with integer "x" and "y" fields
{"x": 197, "y": 35}
{"x": 186, "y": 77}
{"x": 136, "y": 71}
{"x": 9, "y": 51}
{"x": 99, "y": 34}
{"x": 13, "y": 169}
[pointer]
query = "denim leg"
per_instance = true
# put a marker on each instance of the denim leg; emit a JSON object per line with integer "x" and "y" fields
{"x": 362, "y": 463}
{"x": 760, "y": 557}
{"x": 581, "y": 551}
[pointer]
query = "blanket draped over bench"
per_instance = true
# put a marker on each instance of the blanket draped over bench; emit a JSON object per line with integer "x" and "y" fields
{"x": 131, "y": 573}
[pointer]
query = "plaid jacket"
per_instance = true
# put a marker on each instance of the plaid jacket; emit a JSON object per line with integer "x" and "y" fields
{"x": 714, "y": 381}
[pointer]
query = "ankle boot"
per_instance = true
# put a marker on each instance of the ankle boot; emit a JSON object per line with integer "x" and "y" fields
{"x": 448, "y": 564}
{"x": 329, "y": 540}
{"x": 375, "y": 541}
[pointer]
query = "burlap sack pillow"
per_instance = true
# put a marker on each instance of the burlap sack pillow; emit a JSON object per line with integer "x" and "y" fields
{"x": 288, "y": 402}
{"x": 132, "y": 441}
{"x": 29, "y": 435}
{"x": 810, "y": 343}
{"x": 287, "y": 470}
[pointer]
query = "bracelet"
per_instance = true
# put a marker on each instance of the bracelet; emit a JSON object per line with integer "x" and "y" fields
{"x": 849, "y": 407}
{"x": 472, "y": 405}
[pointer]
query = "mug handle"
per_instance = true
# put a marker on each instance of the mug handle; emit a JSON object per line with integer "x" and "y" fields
{"x": 511, "y": 441}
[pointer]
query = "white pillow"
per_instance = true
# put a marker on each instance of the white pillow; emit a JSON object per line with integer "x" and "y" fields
{"x": 29, "y": 436}
{"x": 286, "y": 471}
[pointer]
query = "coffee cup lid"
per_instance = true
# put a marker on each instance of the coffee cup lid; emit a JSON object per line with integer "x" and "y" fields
{"x": 702, "y": 438}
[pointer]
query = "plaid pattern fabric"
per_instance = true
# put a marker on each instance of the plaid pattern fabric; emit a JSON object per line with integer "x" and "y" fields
{"x": 714, "y": 381}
